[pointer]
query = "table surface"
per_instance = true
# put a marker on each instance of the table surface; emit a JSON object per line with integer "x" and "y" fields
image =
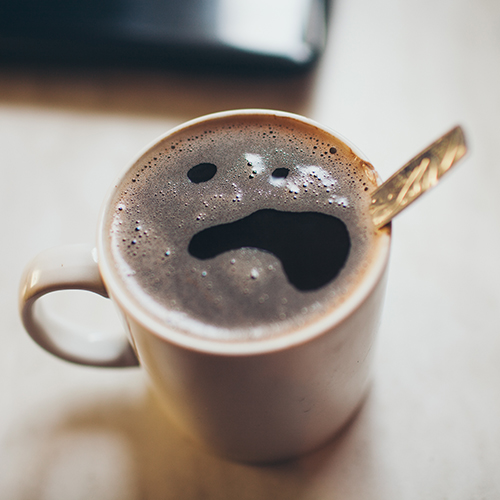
{"x": 395, "y": 76}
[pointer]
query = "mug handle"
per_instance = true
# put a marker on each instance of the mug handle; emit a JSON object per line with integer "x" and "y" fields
{"x": 69, "y": 267}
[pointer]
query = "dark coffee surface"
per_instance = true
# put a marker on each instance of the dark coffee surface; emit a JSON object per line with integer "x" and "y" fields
{"x": 243, "y": 227}
{"x": 309, "y": 262}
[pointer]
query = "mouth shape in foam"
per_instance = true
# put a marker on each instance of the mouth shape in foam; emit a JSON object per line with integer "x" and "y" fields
{"x": 313, "y": 247}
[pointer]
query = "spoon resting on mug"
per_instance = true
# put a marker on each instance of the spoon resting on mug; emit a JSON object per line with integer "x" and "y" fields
{"x": 417, "y": 176}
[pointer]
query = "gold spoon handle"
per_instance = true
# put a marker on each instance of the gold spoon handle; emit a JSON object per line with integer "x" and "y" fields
{"x": 416, "y": 177}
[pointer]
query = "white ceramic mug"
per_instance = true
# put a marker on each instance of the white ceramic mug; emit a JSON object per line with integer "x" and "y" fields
{"x": 258, "y": 401}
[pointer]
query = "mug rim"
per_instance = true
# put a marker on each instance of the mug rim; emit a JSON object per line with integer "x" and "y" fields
{"x": 131, "y": 307}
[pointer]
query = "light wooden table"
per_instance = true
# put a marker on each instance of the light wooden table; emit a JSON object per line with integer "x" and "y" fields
{"x": 395, "y": 76}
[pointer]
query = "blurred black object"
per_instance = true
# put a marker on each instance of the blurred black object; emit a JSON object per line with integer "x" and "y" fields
{"x": 281, "y": 36}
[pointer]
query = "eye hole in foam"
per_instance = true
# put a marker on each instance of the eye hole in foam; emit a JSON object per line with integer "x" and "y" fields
{"x": 280, "y": 173}
{"x": 202, "y": 172}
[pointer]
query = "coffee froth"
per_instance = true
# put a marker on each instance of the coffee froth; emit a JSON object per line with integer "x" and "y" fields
{"x": 212, "y": 226}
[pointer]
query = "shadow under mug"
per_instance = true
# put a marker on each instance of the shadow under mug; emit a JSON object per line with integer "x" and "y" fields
{"x": 255, "y": 401}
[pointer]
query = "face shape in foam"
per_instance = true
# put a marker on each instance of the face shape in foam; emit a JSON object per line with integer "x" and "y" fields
{"x": 243, "y": 227}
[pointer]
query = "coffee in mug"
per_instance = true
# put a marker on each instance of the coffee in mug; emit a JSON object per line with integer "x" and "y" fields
{"x": 241, "y": 255}
{"x": 243, "y": 227}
